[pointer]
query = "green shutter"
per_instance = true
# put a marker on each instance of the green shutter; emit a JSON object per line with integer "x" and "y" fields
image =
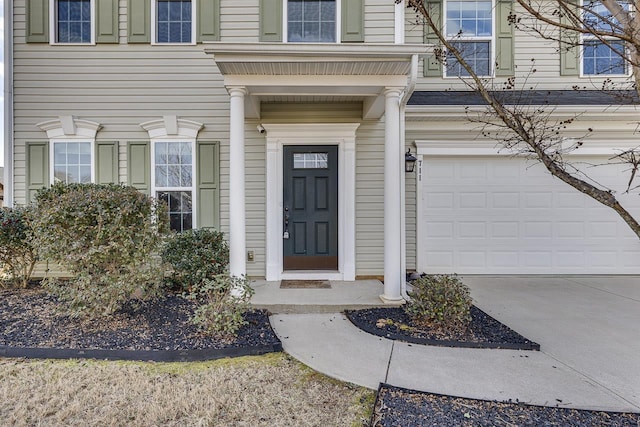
{"x": 139, "y": 21}
{"x": 504, "y": 39}
{"x": 107, "y": 162}
{"x": 139, "y": 166}
{"x": 270, "y": 20}
{"x": 208, "y": 26}
{"x": 37, "y": 21}
{"x": 352, "y": 21}
{"x": 208, "y": 180}
{"x": 569, "y": 49}
{"x": 37, "y": 167}
{"x": 433, "y": 67}
{"x": 107, "y": 21}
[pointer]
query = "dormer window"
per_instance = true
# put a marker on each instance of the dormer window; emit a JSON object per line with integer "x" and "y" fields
{"x": 311, "y": 21}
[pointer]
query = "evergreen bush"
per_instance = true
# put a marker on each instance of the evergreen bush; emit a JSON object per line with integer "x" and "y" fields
{"x": 195, "y": 256}
{"x": 440, "y": 302}
{"x": 105, "y": 235}
{"x": 17, "y": 255}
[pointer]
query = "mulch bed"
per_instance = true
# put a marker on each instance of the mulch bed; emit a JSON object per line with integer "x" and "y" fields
{"x": 31, "y": 325}
{"x": 483, "y": 332}
{"x": 400, "y": 407}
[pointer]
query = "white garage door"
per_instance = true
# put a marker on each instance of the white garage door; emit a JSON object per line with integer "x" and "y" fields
{"x": 503, "y": 215}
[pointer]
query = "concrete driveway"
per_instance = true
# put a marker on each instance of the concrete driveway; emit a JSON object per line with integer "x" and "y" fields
{"x": 590, "y": 324}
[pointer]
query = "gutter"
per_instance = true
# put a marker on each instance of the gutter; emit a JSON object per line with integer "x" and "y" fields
{"x": 8, "y": 103}
{"x": 413, "y": 78}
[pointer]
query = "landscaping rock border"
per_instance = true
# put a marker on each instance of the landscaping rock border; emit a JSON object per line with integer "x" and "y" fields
{"x": 487, "y": 331}
{"x": 396, "y": 406}
{"x": 31, "y": 326}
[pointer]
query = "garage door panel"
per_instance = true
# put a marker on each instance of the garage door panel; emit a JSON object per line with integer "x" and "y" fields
{"x": 514, "y": 218}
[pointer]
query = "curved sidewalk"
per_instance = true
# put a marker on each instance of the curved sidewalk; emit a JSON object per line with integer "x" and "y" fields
{"x": 587, "y": 328}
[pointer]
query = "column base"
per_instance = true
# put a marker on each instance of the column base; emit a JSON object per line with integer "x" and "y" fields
{"x": 392, "y": 301}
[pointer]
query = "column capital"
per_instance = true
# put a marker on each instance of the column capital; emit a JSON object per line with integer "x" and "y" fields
{"x": 237, "y": 90}
{"x": 392, "y": 91}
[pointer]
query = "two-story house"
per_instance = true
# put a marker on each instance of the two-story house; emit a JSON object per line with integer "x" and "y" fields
{"x": 285, "y": 123}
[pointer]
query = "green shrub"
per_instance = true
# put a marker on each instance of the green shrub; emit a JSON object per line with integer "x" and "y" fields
{"x": 17, "y": 255}
{"x": 196, "y": 255}
{"x": 222, "y": 300}
{"x": 441, "y": 302}
{"x": 105, "y": 236}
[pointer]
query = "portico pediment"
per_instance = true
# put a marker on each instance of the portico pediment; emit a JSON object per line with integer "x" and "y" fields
{"x": 284, "y": 72}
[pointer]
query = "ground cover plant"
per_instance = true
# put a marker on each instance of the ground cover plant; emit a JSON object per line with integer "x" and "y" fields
{"x": 17, "y": 254}
{"x": 270, "y": 390}
{"x": 105, "y": 236}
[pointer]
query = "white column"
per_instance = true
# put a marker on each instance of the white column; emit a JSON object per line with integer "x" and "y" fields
{"x": 392, "y": 210}
{"x": 237, "y": 221}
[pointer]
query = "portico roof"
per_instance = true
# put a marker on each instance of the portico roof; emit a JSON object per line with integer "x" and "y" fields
{"x": 281, "y": 72}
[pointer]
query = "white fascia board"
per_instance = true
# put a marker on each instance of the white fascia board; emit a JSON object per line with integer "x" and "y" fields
{"x": 457, "y": 112}
{"x": 289, "y": 51}
{"x": 488, "y": 147}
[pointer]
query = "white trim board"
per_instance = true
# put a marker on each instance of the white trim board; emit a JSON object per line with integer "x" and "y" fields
{"x": 344, "y": 136}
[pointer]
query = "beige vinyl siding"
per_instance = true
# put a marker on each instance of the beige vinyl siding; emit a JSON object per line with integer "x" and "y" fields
{"x": 527, "y": 47}
{"x": 370, "y": 199}
{"x": 379, "y": 21}
{"x": 240, "y": 20}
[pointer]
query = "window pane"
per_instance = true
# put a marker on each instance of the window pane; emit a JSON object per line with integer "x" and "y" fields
{"x": 311, "y": 21}
{"x": 180, "y": 208}
{"x": 310, "y": 160}
{"x": 600, "y": 58}
{"x": 73, "y": 21}
{"x": 469, "y": 18}
{"x": 173, "y": 164}
{"x": 476, "y": 54}
{"x": 72, "y": 162}
{"x": 173, "y": 21}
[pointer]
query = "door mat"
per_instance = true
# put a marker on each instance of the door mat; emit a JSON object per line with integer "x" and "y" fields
{"x": 305, "y": 284}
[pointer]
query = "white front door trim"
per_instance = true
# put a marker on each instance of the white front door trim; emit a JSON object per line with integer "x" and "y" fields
{"x": 344, "y": 136}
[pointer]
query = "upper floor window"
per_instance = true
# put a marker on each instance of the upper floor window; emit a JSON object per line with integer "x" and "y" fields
{"x": 313, "y": 21}
{"x": 602, "y": 55}
{"x": 72, "y": 162}
{"x": 469, "y": 27}
{"x": 174, "y": 21}
{"x": 73, "y": 21}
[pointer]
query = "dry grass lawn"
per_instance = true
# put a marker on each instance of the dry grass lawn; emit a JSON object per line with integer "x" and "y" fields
{"x": 271, "y": 390}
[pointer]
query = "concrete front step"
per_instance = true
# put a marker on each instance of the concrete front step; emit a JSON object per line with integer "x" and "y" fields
{"x": 341, "y": 296}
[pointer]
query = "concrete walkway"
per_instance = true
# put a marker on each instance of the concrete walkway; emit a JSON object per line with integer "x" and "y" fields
{"x": 588, "y": 329}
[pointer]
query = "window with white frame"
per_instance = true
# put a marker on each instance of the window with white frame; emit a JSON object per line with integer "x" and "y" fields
{"x": 72, "y": 162}
{"x": 174, "y": 21}
{"x": 312, "y": 21}
{"x": 173, "y": 181}
{"x": 602, "y": 55}
{"x": 73, "y": 21}
{"x": 469, "y": 27}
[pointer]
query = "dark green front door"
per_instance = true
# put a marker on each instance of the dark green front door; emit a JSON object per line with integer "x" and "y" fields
{"x": 310, "y": 207}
